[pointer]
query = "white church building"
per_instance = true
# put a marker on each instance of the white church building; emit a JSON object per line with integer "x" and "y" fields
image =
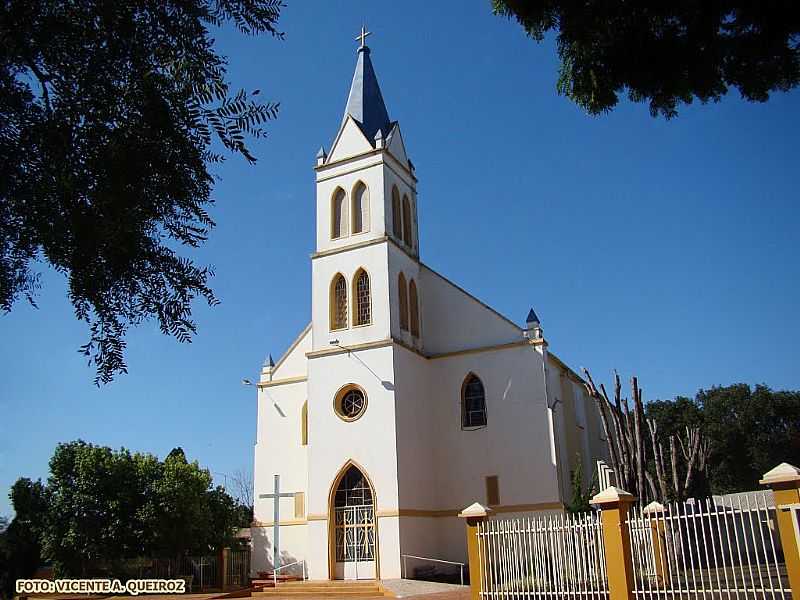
{"x": 405, "y": 399}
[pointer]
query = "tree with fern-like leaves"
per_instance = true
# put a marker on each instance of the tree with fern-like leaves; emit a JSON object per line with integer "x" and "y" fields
{"x": 113, "y": 116}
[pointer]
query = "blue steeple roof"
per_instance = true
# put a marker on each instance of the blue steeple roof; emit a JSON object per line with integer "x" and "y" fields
{"x": 532, "y": 318}
{"x": 365, "y": 102}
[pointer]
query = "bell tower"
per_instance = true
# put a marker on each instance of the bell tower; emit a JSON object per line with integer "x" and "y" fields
{"x": 366, "y": 211}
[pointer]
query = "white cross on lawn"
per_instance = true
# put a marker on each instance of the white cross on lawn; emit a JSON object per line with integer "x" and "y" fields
{"x": 276, "y": 515}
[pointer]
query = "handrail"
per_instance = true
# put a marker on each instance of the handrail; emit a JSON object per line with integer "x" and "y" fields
{"x": 437, "y": 560}
{"x": 275, "y": 571}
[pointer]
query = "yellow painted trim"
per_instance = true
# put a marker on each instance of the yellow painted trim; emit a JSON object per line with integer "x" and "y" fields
{"x": 281, "y": 523}
{"x": 787, "y": 493}
{"x": 356, "y": 246}
{"x": 339, "y": 395}
{"x": 422, "y": 512}
{"x": 382, "y": 152}
{"x": 294, "y": 344}
{"x": 284, "y": 381}
{"x": 617, "y": 542}
{"x": 347, "y": 349}
{"x": 404, "y": 249}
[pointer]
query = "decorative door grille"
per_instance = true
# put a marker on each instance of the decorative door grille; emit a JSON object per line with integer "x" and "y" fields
{"x": 355, "y": 533}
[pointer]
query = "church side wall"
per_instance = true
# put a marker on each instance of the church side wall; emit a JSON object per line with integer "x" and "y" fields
{"x": 442, "y": 468}
{"x": 279, "y": 451}
{"x": 456, "y": 321}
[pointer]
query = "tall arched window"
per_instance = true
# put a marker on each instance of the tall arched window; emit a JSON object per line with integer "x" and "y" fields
{"x": 339, "y": 214}
{"x": 363, "y": 307}
{"x": 407, "y": 221}
{"x": 413, "y": 301}
{"x": 304, "y": 424}
{"x": 402, "y": 296}
{"x": 397, "y": 219}
{"x": 360, "y": 208}
{"x": 473, "y": 402}
{"x": 339, "y": 302}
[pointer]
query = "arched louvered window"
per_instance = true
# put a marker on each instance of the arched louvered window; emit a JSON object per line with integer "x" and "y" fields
{"x": 402, "y": 296}
{"x": 397, "y": 219}
{"x": 360, "y": 208}
{"x": 413, "y": 302}
{"x": 340, "y": 221}
{"x": 363, "y": 304}
{"x": 339, "y": 302}
{"x": 304, "y": 424}
{"x": 407, "y": 221}
{"x": 473, "y": 402}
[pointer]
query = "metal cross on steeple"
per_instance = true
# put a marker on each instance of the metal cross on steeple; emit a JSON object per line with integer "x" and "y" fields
{"x": 361, "y": 36}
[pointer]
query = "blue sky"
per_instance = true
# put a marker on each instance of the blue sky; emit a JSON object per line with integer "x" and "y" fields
{"x": 662, "y": 249}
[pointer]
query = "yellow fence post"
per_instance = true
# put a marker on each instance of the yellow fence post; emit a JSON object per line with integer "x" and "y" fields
{"x": 614, "y": 504}
{"x": 657, "y": 535}
{"x": 472, "y": 515}
{"x": 785, "y": 483}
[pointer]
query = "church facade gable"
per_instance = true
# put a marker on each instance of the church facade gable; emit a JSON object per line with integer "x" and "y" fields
{"x": 349, "y": 142}
{"x": 293, "y": 361}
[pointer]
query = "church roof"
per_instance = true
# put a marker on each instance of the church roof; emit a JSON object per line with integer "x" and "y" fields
{"x": 365, "y": 102}
{"x": 532, "y": 318}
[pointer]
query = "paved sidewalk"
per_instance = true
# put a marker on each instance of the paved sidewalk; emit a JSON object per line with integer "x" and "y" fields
{"x": 403, "y": 588}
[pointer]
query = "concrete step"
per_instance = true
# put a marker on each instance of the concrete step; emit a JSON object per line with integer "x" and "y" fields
{"x": 325, "y": 588}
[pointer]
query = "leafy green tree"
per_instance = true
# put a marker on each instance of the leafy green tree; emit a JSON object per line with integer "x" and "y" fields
{"x": 666, "y": 53}
{"x": 580, "y": 494}
{"x": 111, "y": 119}
{"x": 105, "y": 506}
{"x": 752, "y": 430}
{"x": 20, "y": 545}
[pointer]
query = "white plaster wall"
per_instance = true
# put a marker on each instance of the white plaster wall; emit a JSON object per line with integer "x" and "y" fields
{"x": 371, "y": 258}
{"x": 399, "y": 262}
{"x": 368, "y": 441}
{"x": 405, "y": 186}
{"x": 417, "y": 432}
{"x": 293, "y": 362}
{"x": 513, "y": 446}
{"x": 370, "y": 171}
{"x": 293, "y": 545}
{"x": 278, "y": 450}
{"x": 456, "y": 321}
{"x": 349, "y": 142}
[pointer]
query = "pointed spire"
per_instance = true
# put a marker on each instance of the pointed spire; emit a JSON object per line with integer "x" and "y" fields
{"x": 532, "y": 318}
{"x": 365, "y": 101}
{"x": 322, "y": 156}
{"x": 269, "y": 362}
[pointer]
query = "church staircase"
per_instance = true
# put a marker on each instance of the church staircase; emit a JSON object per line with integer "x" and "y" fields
{"x": 323, "y": 588}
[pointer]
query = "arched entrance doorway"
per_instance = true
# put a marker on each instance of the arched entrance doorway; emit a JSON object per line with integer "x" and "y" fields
{"x": 353, "y": 539}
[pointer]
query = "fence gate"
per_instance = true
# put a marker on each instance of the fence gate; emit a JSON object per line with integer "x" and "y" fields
{"x": 552, "y": 556}
{"x": 728, "y": 548}
{"x": 238, "y": 572}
